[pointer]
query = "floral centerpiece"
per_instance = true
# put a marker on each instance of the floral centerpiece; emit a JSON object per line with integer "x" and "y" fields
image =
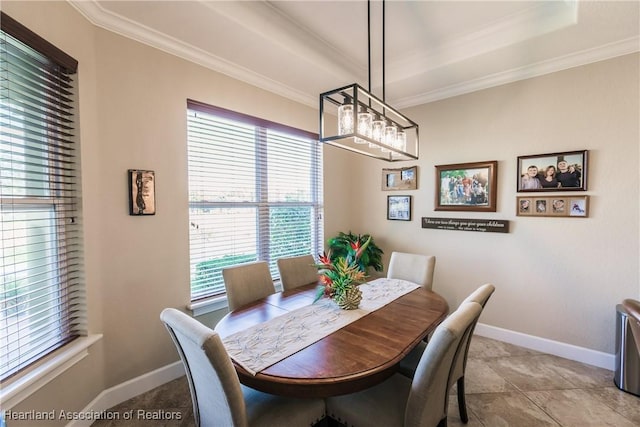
{"x": 341, "y": 275}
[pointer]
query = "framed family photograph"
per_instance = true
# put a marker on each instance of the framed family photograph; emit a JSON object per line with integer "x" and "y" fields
{"x": 467, "y": 187}
{"x": 573, "y": 206}
{"x": 400, "y": 179}
{"x": 565, "y": 171}
{"x": 399, "y": 208}
{"x": 142, "y": 192}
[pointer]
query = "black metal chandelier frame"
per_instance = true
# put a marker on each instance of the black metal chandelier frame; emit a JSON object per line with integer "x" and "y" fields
{"x": 363, "y": 101}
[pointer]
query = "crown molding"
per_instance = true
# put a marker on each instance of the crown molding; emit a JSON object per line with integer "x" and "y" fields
{"x": 601, "y": 53}
{"x": 538, "y": 20}
{"x": 100, "y": 17}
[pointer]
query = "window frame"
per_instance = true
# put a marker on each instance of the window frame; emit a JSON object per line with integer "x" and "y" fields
{"x": 52, "y": 361}
{"x": 210, "y": 301}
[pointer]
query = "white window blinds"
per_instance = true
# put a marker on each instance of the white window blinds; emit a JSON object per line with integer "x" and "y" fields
{"x": 255, "y": 193}
{"x": 41, "y": 300}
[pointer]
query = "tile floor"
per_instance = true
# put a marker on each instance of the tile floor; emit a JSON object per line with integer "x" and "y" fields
{"x": 506, "y": 386}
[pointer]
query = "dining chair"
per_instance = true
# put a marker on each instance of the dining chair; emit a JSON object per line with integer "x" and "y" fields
{"x": 415, "y": 268}
{"x": 420, "y": 401}
{"x": 633, "y": 308}
{"x": 217, "y": 395}
{"x": 297, "y": 271}
{"x": 247, "y": 282}
{"x": 409, "y": 364}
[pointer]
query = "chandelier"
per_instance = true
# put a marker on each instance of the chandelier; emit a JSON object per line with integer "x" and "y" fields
{"x": 366, "y": 124}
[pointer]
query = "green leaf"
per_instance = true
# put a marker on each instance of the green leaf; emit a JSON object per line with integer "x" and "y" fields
{"x": 319, "y": 293}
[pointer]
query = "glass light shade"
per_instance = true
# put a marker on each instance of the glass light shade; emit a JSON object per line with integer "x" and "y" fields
{"x": 345, "y": 119}
{"x": 377, "y": 130}
{"x": 364, "y": 126}
{"x": 390, "y": 136}
{"x": 401, "y": 141}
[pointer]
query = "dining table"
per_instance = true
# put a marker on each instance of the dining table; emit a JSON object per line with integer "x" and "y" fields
{"x": 354, "y": 357}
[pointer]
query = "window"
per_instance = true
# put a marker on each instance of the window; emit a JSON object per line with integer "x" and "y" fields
{"x": 255, "y": 193}
{"x": 41, "y": 302}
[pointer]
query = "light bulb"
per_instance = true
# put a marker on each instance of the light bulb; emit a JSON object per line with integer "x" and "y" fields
{"x": 345, "y": 119}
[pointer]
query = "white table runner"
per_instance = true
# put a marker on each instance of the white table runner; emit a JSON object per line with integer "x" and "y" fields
{"x": 262, "y": 345}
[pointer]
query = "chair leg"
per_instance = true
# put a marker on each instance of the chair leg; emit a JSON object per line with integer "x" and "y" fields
{"x": 462, "y": 403}
{"x": 443, "y": 422}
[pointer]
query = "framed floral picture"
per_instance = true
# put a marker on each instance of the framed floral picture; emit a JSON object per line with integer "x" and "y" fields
{"x": 467, "y": 187}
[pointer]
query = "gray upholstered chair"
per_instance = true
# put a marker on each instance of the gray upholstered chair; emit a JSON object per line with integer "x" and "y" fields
{"x": 418, "y": 402}
{"x": 409, "y": 364}
{"x": 297, "y": 271}
{"x": 247, "y": 282}
{"x": 633, "y": 308}
{"x": 218, "y": 397}
{"x": 412, "y": 267}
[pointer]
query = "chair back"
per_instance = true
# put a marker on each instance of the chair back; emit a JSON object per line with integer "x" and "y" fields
{"x": 428, "y": 399}
{"x": 247, "y": 282}
{"x": 215, "y": 389}
{"x": 633, "y": 308}
{"x": 297, "y": 271}
{"x": 480, "y": 296}
{"x": 415, "y": 268}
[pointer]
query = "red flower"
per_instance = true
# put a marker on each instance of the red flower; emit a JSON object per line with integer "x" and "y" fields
{"x": 326, "y": 280}
{"x": 355, "y": 245}
{"x": 325, "y": 259}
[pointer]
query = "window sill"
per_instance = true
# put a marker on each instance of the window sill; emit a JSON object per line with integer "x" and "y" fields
{"x": 208, "y": 305}
{"x": 27, "y": 384}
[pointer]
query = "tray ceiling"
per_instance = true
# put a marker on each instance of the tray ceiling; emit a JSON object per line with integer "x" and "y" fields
{"x": 433, "y": 50}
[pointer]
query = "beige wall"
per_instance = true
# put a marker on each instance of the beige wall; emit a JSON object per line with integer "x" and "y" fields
{"x": 133, "y": 115}
{"x": 556, "y": 278}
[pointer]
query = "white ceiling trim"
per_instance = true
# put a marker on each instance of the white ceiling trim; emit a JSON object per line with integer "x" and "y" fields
{"x": 135, "y": 31}
{"x": 577, "y": 59}
{"x": 268, "y": 22}
{"x": 100, "y": 17}
{"x": 539, "y": 20}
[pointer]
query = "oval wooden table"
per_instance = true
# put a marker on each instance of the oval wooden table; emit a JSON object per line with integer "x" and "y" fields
{"x": 351, "y": 359}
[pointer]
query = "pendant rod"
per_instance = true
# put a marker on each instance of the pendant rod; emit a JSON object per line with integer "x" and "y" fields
{"x": 369, "y": 41}
{"x": 384, "y": 99}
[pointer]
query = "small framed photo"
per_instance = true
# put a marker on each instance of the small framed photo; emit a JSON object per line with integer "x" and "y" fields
{"x": 467, "y": 187}
{"x": 553, "y": 172}
{"x": 578, "y": 206}
{"x": 400, "y": 179}
{"x": 525, "y": 206}
{"x": 142, "y": 192}
{"x": 399, "y": 208}
{"x": 558, "y": 206}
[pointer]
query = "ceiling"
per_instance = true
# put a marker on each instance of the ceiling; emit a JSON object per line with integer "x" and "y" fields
{"x": 433, "y": 49}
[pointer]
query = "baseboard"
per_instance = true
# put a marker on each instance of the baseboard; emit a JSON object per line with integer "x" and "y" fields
{"x": 568, "y": 351}
{"x": 136, "y": 386}
{"x": 125, "y": 391}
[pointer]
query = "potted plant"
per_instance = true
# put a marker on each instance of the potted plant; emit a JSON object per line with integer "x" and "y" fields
{"x": 341, "y": 245}
{"x": 341, "y": 275}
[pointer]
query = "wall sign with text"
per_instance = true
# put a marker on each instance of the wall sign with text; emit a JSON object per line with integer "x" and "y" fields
{"x": 466, "y": 224}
